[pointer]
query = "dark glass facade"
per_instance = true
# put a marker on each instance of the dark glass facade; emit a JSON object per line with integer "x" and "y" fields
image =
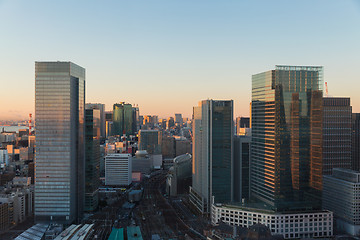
{"x": 355, "y": 147}
{"x": 123, "y": 119}
{"x": 286, "y": 148}
{"x": 92, "y": 158}
{"x": 241, "y": 168}
{"x": 336, "y": 134}
{"x": 212, "y": 154}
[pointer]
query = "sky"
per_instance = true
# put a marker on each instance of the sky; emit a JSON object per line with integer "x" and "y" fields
{"x": 167, "y": 55}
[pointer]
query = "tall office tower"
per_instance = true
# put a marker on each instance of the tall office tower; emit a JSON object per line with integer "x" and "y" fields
{"x": 241, "y": 169}
{"x": 136, "y": 120}
{"x": 59, "y": 150}
{"x": 286, "y": 147}
{"x": 122, "y": 119}
{"x": 150, "y": 140}
{"x": 178, "y": 119}
{"x": 212, "y": 154}
{"x": 92, "y": 158}
{"x": 118, "y": 169}
{"x": 336, "y": 133}
{"x": 355, "y": 147}
{"x": 100, "y": 107}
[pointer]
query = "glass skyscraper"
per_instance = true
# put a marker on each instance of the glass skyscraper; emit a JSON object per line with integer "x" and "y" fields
{"x": 212, "y": 154}
{"x": 123, "y": 119}
{"x": 59, "y": 160}
{"x": 286, "y": 147}
{"x": 92, "y": 157}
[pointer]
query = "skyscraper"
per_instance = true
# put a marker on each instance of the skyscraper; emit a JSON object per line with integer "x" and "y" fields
{"x": 122, "y": 119}
{"x": 101, "y": 108}
{"x": 241, "y": 169}
{"x": 355, "y": 143}
{"x": 59, "y": 151}
{"x": 92, "y": 158}
{"x": 286, "y": 147}
{"x": 212, "y": 154}
{"x": 336, "y": 133}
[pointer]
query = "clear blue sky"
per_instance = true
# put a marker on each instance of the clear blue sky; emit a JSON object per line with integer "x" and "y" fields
{"x": 167, "y": 55}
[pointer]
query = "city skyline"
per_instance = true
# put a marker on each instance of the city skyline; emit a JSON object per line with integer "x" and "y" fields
{"x": 168, "y": 55}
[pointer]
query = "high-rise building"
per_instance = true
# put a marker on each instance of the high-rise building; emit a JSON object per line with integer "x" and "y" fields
{"x": 355, "y": 147}
{"x": 92, "y": 158}
{"x": 341, "y": 195}
{"x": 59, "y": 150}
{"x": 286, "y": 147}
{"x": 101, "y": 108}
{"x": 136, "y": 120}
{"x": 122, "y": 119}
{"x": 336, "y": 133}
{"x": 212, "y": 154}
{"x": 150, "y": 140}
{"x": 118, "y": 169}
{"x": 178, "y": 119}
{"x": 241, "y": 168}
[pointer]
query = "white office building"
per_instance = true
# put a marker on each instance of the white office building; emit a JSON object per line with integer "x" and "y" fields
{"x": 118, "y": 169}
{"x": 290, "y": 225}
{"x": 341, "y": 192}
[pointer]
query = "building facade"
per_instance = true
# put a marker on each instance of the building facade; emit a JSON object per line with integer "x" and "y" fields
{"x": 150, "y": 140}
{"x": 286, "y": 147}
{"x": 290, "y": 225}
{"x": 336, "y": 133}
{"x": 212, "y": 154}
{"x": 123, "y": 119}
{"x": 355, "y": 143}
{"x": 341, "y": 193}
{"x": 118, "y": 169}
{"x": 92, "y": 158}
{"x": 241, "y": 168}
{"x": 59, "y": 151}
{"x": 101, "y": 108}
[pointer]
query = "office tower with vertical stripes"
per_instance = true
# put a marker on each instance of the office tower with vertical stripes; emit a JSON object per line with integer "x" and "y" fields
{"x": 59, "y": 150}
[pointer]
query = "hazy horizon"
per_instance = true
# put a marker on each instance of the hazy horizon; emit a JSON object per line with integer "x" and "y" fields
{"x": 166, "y": 56}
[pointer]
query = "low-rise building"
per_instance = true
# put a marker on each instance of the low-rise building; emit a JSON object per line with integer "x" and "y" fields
{"x": 290, "y": 225}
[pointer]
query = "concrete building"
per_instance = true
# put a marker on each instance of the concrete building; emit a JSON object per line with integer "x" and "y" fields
{"x": 150, "y": 140}
{"x": 311, "y": 224}
{"x": 178, "y": 119}
{"x": 60, "y": 153}
{"x": 118, "y": 169}
{"x": 179, "y": 178}
{"x": 242, "y": 123}
{"x": 241, "y": 168}
{"x": 212, "y": 154}
{"x": 341, "y": 193}
{"x": 337, "y": 133}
